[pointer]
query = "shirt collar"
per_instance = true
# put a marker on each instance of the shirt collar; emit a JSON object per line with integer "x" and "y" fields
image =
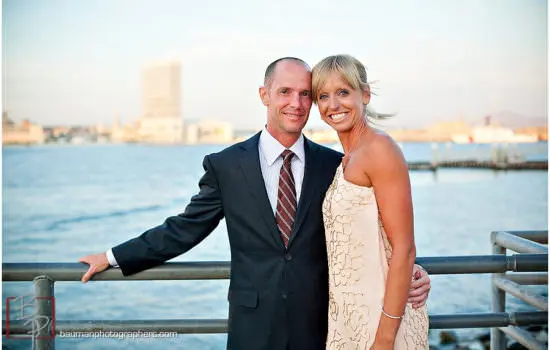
{"x": 272, "y": 149}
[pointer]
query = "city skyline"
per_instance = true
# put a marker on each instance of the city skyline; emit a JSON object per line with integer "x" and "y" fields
{"x": 80, "y": 62}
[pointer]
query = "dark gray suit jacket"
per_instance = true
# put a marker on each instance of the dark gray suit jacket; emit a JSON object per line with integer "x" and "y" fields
{"x": 278, "y": 298}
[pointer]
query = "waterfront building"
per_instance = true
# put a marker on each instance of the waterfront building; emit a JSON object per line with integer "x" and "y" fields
{"x": 161, "y": 120}
{"x": 24, "y": 133}
{"x": 325, "y": 135}
{"x": 491, "y": 132}
{"x": 209, "y": 132}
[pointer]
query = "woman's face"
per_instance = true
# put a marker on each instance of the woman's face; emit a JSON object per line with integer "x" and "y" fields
{"x": 341, "y": 106}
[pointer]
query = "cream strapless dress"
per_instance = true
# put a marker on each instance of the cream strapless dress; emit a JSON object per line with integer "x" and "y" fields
{"x": 358, "y": 257}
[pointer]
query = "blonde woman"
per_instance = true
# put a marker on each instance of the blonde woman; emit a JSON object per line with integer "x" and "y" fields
{"x": 368, "y": 217}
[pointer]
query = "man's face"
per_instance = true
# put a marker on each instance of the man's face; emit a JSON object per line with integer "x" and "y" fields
{"x": 288, "y": 100}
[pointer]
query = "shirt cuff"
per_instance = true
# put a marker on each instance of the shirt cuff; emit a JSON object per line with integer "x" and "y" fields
{"x": 111, "y": 258}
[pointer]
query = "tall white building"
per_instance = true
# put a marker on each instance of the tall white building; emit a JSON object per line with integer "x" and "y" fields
{"x": 161, "y": 120}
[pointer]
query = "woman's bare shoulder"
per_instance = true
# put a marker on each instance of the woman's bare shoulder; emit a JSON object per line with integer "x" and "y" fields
{"x": 379, "y": 144}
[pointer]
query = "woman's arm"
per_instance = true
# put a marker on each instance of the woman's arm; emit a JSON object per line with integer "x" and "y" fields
{"x": 387, "y": 169}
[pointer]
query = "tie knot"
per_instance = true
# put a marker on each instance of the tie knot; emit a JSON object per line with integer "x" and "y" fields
{"x": 287, "y": 155}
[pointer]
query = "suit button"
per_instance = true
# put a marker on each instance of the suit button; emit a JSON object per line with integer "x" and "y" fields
{"x": 288, "y": 257}
{"x": 284, "y": 296}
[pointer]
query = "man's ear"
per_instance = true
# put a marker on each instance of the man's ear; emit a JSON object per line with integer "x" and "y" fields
{"x": 264, "y": 95}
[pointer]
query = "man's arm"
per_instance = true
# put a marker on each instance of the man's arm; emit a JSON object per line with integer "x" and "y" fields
{"x": 175, "y": 236}
{"x": 420, "y": 287}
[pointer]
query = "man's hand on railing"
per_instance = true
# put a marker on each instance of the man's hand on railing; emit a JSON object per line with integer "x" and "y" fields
{"x": 97, "y": 262}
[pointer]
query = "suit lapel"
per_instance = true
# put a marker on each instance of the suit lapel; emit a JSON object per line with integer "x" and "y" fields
{"x": 312, "y": 170}
{"x": 250, "y": 166}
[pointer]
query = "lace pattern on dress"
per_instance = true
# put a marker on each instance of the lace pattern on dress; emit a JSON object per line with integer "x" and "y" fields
{"x": 358, "y": 253}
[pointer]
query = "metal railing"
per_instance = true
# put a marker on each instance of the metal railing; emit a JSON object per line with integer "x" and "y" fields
{"x": 532, "y": 262}
{"x": 527, "y": 242}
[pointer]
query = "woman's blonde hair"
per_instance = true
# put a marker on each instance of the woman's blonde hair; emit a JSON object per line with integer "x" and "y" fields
{"x": 351, "y": 70}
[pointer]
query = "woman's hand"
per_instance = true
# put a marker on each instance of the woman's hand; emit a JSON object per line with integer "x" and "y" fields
{"x": 385, "y": 335}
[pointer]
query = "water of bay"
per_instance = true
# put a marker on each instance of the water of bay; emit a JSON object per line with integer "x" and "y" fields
{"x": 63, "y": 202}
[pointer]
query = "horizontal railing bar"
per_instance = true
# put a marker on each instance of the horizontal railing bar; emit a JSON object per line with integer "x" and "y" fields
{"x": 538, "y": 236}
{"x": 524, "y": 338}
{"x": 521, "y": 292}
{"x": 203, "y": 326}
{"x": 196, "y": 270}
{"x": 528, "y": 278}
{"x": 14, "y": 272}
{"x": 498, "y": 263}
{"x": 181, "y": 326}
{"x": 484, "y": 320}
{"x": 518, "y": 244}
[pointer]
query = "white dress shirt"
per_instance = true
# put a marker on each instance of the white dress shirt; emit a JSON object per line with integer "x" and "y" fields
{"x": 270, "y": 151}
{"x": 271, "y": 163}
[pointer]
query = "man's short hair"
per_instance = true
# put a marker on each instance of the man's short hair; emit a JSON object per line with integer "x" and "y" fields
{"x": 268, "y": 77}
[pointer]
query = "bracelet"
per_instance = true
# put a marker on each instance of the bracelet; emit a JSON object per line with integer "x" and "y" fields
{"x": 391, "y": 316}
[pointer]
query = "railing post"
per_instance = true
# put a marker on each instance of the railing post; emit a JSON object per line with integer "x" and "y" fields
{"x": 498, "y": 300}
{"x": 43, "y": 325}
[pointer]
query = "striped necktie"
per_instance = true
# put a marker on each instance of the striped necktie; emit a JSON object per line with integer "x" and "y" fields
{"x": 286, "y": 198}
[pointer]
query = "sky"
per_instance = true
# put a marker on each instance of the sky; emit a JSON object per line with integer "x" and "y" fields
{"x": 71, "y": 62}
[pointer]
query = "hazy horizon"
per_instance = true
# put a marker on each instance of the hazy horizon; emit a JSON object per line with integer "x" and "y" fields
{"x": 67, "y": 62}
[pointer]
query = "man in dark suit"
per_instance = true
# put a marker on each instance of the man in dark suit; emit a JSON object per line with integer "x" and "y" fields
{"x": 271, "y": 200}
